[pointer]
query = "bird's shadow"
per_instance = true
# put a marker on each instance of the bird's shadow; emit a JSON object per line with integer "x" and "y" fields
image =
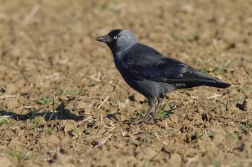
{"x": 61, "y": 113}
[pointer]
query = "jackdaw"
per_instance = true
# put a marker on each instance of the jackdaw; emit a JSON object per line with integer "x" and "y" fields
{"x": 149, "y": 72}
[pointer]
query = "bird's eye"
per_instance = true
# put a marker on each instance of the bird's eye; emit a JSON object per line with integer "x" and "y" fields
{"x": 115, "y": 37}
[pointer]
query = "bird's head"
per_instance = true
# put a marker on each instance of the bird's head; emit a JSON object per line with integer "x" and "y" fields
{"x": 118, "y": 40}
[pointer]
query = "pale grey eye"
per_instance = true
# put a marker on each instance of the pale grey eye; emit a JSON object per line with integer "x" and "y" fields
{"x": 115, "y": 37}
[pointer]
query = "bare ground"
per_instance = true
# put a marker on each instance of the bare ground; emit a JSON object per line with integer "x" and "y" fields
{"x": 63, "y": 103}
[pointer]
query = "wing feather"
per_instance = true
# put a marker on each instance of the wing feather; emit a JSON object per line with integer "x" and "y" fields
{"x": 143, "y": 62}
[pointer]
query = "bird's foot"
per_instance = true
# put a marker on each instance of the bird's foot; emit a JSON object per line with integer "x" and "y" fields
{"x": 145, "y": 121}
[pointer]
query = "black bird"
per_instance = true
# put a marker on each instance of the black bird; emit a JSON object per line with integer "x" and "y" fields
{"x": 149, "y": 72}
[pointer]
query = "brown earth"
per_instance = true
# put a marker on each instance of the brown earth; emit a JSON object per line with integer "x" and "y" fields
{"x": 63, "y": 103}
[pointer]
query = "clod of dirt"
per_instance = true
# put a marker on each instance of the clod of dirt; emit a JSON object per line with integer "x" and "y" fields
{"x": 175, "y": 159}
{"x": 246, "y": 105}
{"x": 120, "y": 117}
{"x": 138, "y": 97}
{"x": 174, "y": 118}
{"x": 230, "y": 35}
{"x": 135, "y": 129}
{"x": 219, "y": 135}
{"x": 81, "y": 105}
{"x": 197, "y": 116}
{"x": 166, "y": 150}
{"x": 15, "y": 144}
{"x": 5, "y": 162}
{"x": 11, "y": 103}
{"x": 108, "y": 88}
{"x": 63, "y": 159}
{"x": 146, "y": 153}
{"x": 11, "y": 88}
{"x": 63, "y": 98}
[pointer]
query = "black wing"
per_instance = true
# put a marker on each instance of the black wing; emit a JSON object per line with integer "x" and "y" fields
{"x": 143, "y": 62}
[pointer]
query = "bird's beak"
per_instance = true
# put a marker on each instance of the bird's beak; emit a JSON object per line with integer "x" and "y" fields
{"x": 105, "y": 38}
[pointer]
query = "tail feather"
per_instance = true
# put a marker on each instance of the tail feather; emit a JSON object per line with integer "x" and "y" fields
{"x": 196, "y": 78}
{"x": 211, "y": 84}
{"x": 189, "y": 83}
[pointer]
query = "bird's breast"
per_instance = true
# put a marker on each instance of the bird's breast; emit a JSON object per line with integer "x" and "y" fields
{"x": 117, "y": 61}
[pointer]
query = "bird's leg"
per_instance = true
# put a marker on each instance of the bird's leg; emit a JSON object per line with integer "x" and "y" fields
{"x": 151, "y": 101}
{"x": 160, "y": 101}
{"x": 145, "y": 119}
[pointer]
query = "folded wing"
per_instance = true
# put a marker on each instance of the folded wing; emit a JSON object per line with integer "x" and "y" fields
{"x": 143, "y": 62}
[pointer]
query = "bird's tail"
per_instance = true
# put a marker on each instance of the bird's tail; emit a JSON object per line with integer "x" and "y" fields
{"x": 199, "y": 79}
{"x": 193, "y": 82}
{"x": 211, "y": 84}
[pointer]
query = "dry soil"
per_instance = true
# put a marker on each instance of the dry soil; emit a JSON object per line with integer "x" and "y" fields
{"x": 63, "y": 103}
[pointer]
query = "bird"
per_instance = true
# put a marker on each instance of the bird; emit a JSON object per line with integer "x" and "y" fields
{"x": 149, "y": 72}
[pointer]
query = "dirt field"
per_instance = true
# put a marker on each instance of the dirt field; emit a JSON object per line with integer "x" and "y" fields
{"x": 63, "y": 103}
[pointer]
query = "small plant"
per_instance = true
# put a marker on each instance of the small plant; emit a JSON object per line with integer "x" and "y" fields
{"x": 36, "y": 123}
{"x": 238, "y": 101}
{"x": 24, "y": 75}
{"x": 220, "y": 70}
{"x": 188, "y": 38}
{"x": 214, "y": 164}
{"x": 196, "y": 137}
{"x": 70, "y": 49}
{"x": 115, "y": 133}
{"x": 75, "y": 133}
{"x": 240, "y": 89}
{"x": 32, "y": 114}
{"x": 50, "y": 132}
{"x": 146, "y": 163}
{"x": 19, "y": 156}
{"x": 229, "y": 135}
{"x": 90, "y": 83}
{"x": 60, "y": 91}
{"x": 146, "y": 140}
{"x": 136, "y": 143}
{"x": 140, "y": 141}
{"x": 65, "y": 91}
{"x": 232, "y": 62}
{"x": 245, "y": 127}
{"x": 44, "y": 100}
{"x": 68, "y": 26}
{"x": 160, "y": 133}
{"x": 74, "y": 92}
{"x": 152, "y": 133}
{"x": 3, "y": 121}
{"x": 87, "y": 131}
{"x": 162, "y": 113}
{"x": 211, "y": 100}
{"x": 209, "y": 134}
{"x": 238, "y": 136}
{"x": 139, "y": 115}
{"x": 53, "y": 108}
{"x": 169, "y": 132}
